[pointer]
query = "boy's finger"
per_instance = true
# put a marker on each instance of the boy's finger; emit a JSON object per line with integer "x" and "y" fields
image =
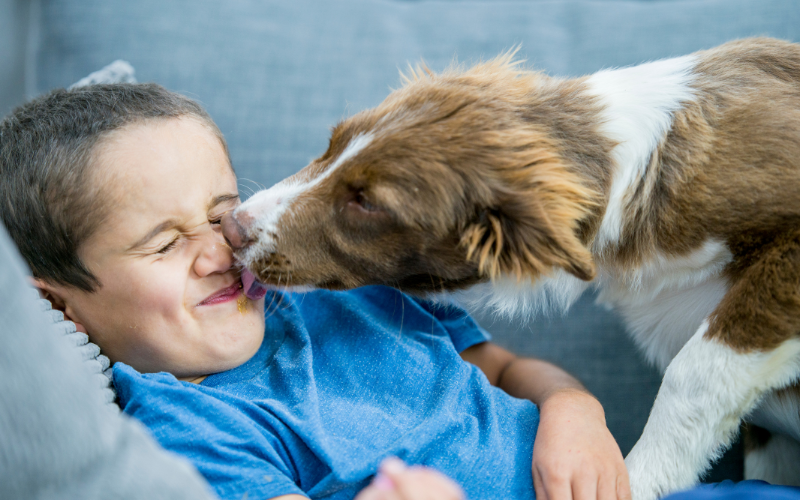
{"x": 556, "y": 489}
{"x": 381, "y": 488}
{"x": 584, "y": 488}
{"x": 422, "y": 484}
{"x": 392, "y": 468}
{"x": 541, "y": 494}
{"x": 416, "y": 483}
{"x": 623, "y": 486}
{"x": 383, "y": 482}
{"x": 371, "y": 493}
{"x": 367, "y": 493}
{"x": 607, "y": 488}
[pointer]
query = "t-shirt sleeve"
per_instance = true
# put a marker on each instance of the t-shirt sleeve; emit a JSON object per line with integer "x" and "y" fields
{"x": 238, "y": 459}
{"x": 463, "y": 330}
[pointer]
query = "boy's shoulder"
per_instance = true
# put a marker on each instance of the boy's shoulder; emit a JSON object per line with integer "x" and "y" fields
{"x": 387, "y": 302}
{"x": 375, "y": 308}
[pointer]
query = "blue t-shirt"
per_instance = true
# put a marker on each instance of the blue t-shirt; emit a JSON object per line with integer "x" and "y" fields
{"x": 342, "y": 381}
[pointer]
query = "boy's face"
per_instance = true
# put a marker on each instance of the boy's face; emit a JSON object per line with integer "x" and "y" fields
{"x": 170, "y": 296}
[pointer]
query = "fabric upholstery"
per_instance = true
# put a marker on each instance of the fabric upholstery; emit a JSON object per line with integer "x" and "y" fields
{"x": 13, "y": 37}
{"x": 275, "y": 75}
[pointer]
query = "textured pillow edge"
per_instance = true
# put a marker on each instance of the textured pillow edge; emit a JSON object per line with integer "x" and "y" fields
{"x": 98, "y": 365}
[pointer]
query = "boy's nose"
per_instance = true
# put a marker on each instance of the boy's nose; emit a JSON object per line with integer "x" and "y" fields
{"x": 235, "y": 234}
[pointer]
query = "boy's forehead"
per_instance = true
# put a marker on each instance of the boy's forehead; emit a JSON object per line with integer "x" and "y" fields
{"x": 154, "y": 134}
{"x": 159, "y": 149}
{"x": 162, "y": 168}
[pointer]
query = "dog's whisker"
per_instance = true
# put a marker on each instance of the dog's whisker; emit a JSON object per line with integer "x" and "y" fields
{"x": 254, "y": 187}
{"x": 272, "y": 305}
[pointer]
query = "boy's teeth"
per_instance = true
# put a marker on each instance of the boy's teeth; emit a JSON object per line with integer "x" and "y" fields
{"x": 252, "y": 288}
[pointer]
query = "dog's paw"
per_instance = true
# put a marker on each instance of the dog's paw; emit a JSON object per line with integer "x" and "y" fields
{"x": 642, "y": 490}
{"x": 646, "y": 475}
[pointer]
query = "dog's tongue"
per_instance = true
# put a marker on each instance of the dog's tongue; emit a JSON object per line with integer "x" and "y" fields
{"x": 252, "y": 288}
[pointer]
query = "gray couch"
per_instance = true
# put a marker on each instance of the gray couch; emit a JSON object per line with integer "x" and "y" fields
{"x": 276, "y": 75}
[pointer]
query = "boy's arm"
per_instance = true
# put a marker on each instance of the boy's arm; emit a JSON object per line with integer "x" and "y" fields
{"x": 574, "y": 455}
{"x": 524, "y": 378}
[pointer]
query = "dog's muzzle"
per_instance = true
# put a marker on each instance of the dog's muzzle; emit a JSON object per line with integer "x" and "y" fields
{"x": 234, "y": 232}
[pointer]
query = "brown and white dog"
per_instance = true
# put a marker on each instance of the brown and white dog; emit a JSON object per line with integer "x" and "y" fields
{"x": 673, "y": 187}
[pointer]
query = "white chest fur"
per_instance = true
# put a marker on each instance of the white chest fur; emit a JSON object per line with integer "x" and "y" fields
{"x": 665, "y": 300}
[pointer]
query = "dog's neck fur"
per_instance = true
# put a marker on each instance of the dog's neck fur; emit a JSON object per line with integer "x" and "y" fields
{"x": 610, "y": 126}
{"x": 572, "y": 114}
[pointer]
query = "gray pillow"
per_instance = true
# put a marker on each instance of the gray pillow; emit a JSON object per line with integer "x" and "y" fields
{"x": 97, "y": 364}
{"x": 118, "y": 71}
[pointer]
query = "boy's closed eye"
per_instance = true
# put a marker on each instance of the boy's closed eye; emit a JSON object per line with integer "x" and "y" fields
{"x": 173, "y": 243}
{"x": 169, "y": 246}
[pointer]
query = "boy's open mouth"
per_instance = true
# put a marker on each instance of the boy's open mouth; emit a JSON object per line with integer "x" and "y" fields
{"x": 226, "y": 294}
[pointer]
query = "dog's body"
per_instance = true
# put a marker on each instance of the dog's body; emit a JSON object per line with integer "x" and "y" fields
{"x": 672, "y": 186}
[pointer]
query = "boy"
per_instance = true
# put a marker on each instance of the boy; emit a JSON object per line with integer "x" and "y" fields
{"x": 114, "y": 193}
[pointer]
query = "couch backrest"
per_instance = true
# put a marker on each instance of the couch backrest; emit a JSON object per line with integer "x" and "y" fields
{"x": 277, "y": 74}
{"x": 14, "y": 23}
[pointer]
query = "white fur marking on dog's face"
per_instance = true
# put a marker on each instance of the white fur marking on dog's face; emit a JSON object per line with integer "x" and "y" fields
{"x": 706, "y": 391}
{"x": 355, "y": 146}
{"x": 639, "y": 103}
{"x": 267, "y": 207}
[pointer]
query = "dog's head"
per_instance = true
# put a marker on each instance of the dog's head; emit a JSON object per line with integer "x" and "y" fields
{"x": 444, "y": 184}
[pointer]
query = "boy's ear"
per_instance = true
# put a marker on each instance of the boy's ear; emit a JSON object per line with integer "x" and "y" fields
{"x": 49, "y": 292}
{"x": 57, "y": 297}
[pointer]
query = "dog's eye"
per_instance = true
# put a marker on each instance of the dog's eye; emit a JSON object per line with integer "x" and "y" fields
{"x": 363, "y": 203}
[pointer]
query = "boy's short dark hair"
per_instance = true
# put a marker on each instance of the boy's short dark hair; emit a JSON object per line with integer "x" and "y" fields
{"x": 49, "y": 205}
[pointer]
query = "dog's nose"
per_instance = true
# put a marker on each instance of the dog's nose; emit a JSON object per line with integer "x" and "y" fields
{"x": 234, "y": 233}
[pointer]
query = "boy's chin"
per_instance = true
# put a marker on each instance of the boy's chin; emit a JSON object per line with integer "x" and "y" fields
{"x": 238, "y": 335}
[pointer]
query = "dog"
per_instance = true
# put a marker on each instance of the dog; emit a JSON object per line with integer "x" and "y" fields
{"x": 673, "y": 187}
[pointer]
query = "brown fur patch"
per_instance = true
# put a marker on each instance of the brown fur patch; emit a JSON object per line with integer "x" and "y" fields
{"x": 526, "y": 235}
{"x": 729, "y": 169}
{"x": 762, "y": 308}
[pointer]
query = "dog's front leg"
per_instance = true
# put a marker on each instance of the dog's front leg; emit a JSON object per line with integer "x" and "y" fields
{"x": 706, "y": 390}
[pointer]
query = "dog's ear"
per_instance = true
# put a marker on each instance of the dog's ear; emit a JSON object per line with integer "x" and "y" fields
{"x": 526, "y": 203}
{"x": 521, "y": 237}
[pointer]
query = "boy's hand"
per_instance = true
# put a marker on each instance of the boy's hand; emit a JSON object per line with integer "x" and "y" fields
{"x": 574, "y": 455}
{"x": 395, "y": 481}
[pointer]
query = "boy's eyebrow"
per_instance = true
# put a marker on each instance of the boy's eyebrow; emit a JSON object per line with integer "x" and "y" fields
{"x": 171, "y": 223}
{"x": 167, "y": 224}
